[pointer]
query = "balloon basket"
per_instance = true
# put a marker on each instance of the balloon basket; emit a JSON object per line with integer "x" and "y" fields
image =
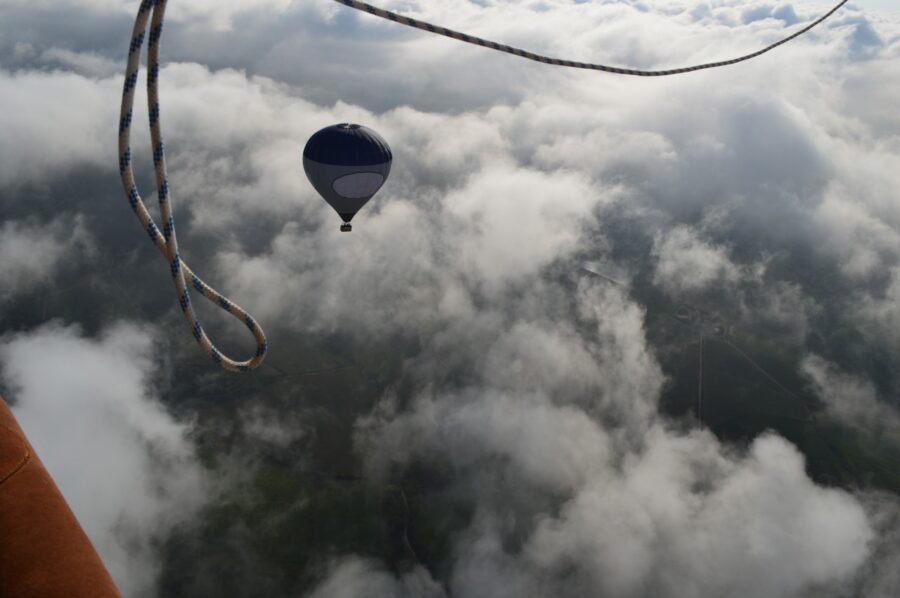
{"x": 346, "y": 228}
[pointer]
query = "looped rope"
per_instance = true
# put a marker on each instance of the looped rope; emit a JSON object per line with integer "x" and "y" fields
{"x": 409, "y": 22}
{"x": 167, "y": 241}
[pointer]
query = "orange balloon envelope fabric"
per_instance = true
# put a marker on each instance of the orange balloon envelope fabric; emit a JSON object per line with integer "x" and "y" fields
{"x": 44, "y": 553}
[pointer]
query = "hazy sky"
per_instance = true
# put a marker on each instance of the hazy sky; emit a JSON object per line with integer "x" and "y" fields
{"x": 769, "y": 188}
{"x": 887, "y": 5}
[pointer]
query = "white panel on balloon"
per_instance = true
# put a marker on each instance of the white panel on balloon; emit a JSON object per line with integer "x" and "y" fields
{"x": 358, "y": 185}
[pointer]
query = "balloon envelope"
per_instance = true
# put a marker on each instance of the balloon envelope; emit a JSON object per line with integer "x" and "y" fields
{"x": 347, "y": 164}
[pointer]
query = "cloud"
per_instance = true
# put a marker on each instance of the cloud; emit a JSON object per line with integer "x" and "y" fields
{"x": 757, "y": 531}
{"x": 880, "y": 577}
{"x": 567, "y": 502}
{"x": 769, "y": 189}
{"x": 87, "y": 64}
{"x": 880, "y": 315}
{"x": 218, "y": 15}
{"x": 54, "y": 122}
{"x": 266, "y": 427}
{"x": 419, "y": 247}
{"x": 504, "y": 206}
{"x": 687, "y": 263}
{"x": 358, "y": 578}
{"x": 33, "y": 253}
{"x": 851, "y": 400}
{"x": 124, "y": 464}
{"x": 784, "y": 13}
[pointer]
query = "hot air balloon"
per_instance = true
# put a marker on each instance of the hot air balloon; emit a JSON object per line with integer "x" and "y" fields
{"x": 347, "y": 164}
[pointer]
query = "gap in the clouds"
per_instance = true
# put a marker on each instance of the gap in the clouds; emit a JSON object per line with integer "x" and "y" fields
{"x": 289, "y": 506}
{"x": 111, "y": 276}
{"x": 752, "y": 352}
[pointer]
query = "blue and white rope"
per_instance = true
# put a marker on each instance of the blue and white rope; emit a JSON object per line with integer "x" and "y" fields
{"x": 166, "y": 240}
{"x": 484, "y": 43}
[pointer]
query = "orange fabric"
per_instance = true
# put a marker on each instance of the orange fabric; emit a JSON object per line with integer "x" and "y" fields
{"x": 44, "y": 553}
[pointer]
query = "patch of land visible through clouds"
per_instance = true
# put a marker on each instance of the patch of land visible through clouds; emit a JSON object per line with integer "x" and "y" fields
{"x": 493, "y": 386}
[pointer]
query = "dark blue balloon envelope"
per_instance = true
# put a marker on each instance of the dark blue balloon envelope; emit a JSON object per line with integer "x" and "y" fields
{"x": 347, "y": 164}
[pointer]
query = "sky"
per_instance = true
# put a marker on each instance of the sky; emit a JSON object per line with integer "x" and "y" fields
{"x": 884, "y": 5}
{"x": 534, "y": 394}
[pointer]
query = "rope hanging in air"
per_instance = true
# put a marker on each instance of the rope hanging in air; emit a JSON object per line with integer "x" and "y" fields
{"x": 392, "y": 16}
{"x": 167, "y": 241}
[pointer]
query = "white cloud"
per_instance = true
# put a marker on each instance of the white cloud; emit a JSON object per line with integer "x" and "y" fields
{"x": 687, "y": 263}
{"x": 516, "y": 221}
{"x": 33, "y": 253}
{"x": 849, "y": 399}
{"x": 359, "y": 578}
{"x": 55, "y": 122}
{"x": 880, "y": 577}
{"x": 601, "y": 498}
{"x": 125, "y": 466}
{"x": 87, "y": 64}
{"x": 681, "y": 517}
{"x": 218, "y": 15}
{"x": 880, "y": 314}
{"x": 760, "y": 527}
{"x": 265, "y": 426}
{"x": 505, "y": 173}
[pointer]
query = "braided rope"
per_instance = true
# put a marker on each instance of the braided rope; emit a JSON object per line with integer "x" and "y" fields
{"x": 409, "y": 22}
{"x": 167, "y": 241}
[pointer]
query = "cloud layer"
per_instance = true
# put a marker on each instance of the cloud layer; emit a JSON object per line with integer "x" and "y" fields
{"x": 532, "y": 395}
